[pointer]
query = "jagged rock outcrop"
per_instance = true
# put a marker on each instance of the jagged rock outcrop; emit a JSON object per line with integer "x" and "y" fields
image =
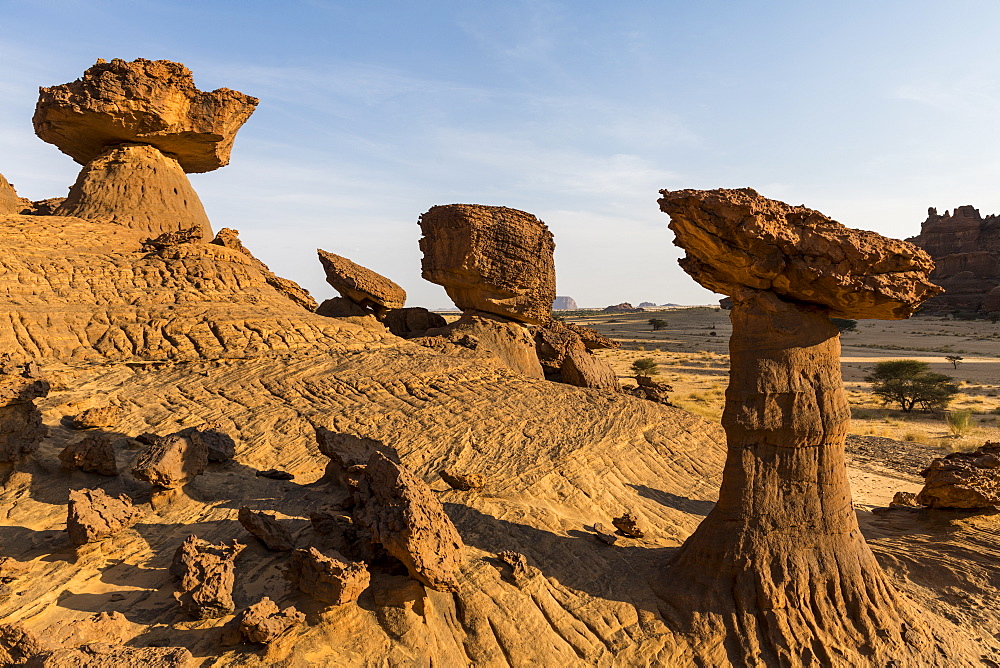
{"x": 18, "y": 644}
{"x": 171, "y": 461}
{"x": 9, "y": 201}
{"x": 329, "y": 578}
{"x": 361, "y": 285}
{"x": 348, "y": 452}
{"x": 203, "y": 573}
{"x": 510, "y": 342}
{"x": 566, "y": 358}
{"x": 267, "y": 528}
{"x": 564, "y": 304}
{"x": 263, "y": 622}
{"x": 628, "y": 524}
{"x": 229, "y": 238}
{"x": 151, "y": 102}
{"x": 219, "y": 446}
{"x": 784, "y": 535}
{"x": 137, "y": 186}
{"x": 42, "y": 207}
{"x": 965, "y": 248}
{"x": 463, "y": 482}
{"x": 92, "y": 515}
{"x": 491, "y": 259}
{"x": 404, "y": 515}
{"x": 94, "y": 453}
{"x": 106, "y": 655}
{"x": 963, "y": 480}
{"x": 21, "y": 428}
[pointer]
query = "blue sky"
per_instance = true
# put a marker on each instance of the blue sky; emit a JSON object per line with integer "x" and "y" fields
{"x": 579, "y": 112}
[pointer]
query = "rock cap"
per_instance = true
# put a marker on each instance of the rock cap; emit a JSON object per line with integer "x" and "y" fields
{"x": 360, "y": 284}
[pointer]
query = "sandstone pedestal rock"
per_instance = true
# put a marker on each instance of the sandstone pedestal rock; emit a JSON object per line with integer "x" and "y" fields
{"x": 491, "y": 259}
{"x": 93, "y": 515}
{"x": 405, "y": 516}
{"x": 171, "y": 461}
{"x": 360, "y": 284}
{"x": 779, "y": 567}
{"x": 204, "y": 575}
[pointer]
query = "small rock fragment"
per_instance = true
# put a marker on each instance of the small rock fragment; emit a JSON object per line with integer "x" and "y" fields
{"x": 95, "y": 453}
{"x": 93, "y": 515}
{"x": 462, "y": 481}
{"x": 94, "y": 418}
{"x": 330, "y": 579}
{"x": 518, "y": 565}
{"x": 203, "y": 573}
{"x": 904, "y": 500}
{"x": 104, "y": 655}
{"x": 628, "y": 525}
{"x": 605, "y": 535}
{"x": 171, "y": 461}
{"x": 263, "y": 622}
{"x": 267, "y": 528}
{"x": 275, "y": 474}
{"x": 403, "y": 514}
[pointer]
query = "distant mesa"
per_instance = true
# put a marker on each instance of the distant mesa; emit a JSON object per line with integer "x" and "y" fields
{"x": 647, "y": 305}
{"x": 624, "y": 307}
{"x": 669, "y": 304}
{"x": 965, "y": 247}
{"x": 564, "y": 304}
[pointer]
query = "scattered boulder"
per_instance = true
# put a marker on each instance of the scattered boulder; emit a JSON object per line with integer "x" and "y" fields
{"x": 263, "y": 621}
{"x": 11, "y": 569}
{"x": 414, "y": 321}
{"x": 10, "y": 203}
{"x": 341, "y": 307}
{"x": 328, "y": 578}
{"x": 405, "y": 516}
{"x": 173, "y": 239}
{"x": 963, "y": 480}
{"x": 605, "y": 535}
{"x": 904, "y": 500}
{"x": 21, "y": 428}
{"x": 151, "y": 102}
{"x": 275, "y": 474}
{"x": 229, "y": 238}
{"x": 95, "y": 453}
{"x": 628, "y": 524}
{"x": 463, "y": 482}
{"x": 347, "y": 451}
{"x": 95, "y": 418}
{"x": 651, "y": 390}
{"x": 566, "y": 358}
{"x": 592, "y": 339}
{"x": 93, "y": 515}
{"x": 104, "y": 655}
{"x": 203, "y": 573}
{"x": 267, "y": 528}
{"x": 171, "y": 461}
{"x": 510, "y": 342}
{"x": 491, "y": 259}
{"x": 361, "y": 285}
{"x": 518, "y": 563}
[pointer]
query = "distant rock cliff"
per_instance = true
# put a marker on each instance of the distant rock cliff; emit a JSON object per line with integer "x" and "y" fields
{"x": 564, "y": 304}
{"x": 966, "y": 251}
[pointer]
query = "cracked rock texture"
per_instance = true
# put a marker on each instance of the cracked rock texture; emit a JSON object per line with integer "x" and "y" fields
{"x": 94, "y": 453}
{"x": 963, "y": 480}
{"x": 204, "y": 574}
{"x": 93, "y": 515}
{"x": 263, "y": 622}
{"x": 330, "y": 578}
{"x": 171, "y": 461}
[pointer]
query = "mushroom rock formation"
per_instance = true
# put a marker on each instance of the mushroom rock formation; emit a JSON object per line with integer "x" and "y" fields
{"x": 21, "y": 428}
{"x": 171, "y": 461}
{"x": 137, "y": 186}
{"x": 361, "y": 285}
{"x": 491, "y": 259}
{"x": 779, "y": 573}
{"x": 138, "y": 128}
{"x": 229, "y": 238}
{"x": 510, "y": 342}
{"x": 406, "y": 517}
{"x": 204, "y": 574}
{"x": 963, "y": 480}
{"x": 9, "y": 201}
{"x": 92, "y": 515}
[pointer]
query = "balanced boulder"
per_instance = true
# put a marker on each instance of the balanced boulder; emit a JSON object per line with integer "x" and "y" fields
{"x": 361, "y": 285}
{"x": 491, "y": 259}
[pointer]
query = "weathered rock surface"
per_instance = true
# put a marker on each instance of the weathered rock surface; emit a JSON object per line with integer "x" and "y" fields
{"x": 95, "y": 453}
{"x": 592, "y": 339}
{"x": 171, "y": 461}
{"x": 229, "y": 238}
{"x": 491, "y": 259}
{"x": 413, "y": 321}
{"x": 138, "y": 187}
{"x": 42, "y": 207}
{"x": 510, "y": 342}
{"x": 360, "y": 284}
{"x": 738, "y": 240}
{"x": 92, "y": 515}
{"x": 628, "y": 524}
{"x": 219, "y": 446}
{"x": 565, "y": 356}
{"x": 963, "y": 480}
{"x": 21, "y": 428}
{"x": 151, "y": 102}
{"x": 9, "y": 201}
{"x": 104, "y": 627}
{"x": 624, "y": 307}
{"x": 582, "y": 369}
{"x": 463, "y": 482}
{"x": 342, "y": 307}
{"x": 267, "y": 528}
{"x": 564, "y": 304}
{"x": 965, "y": 247}
{"x": 404, "y": 515}
{"x": 204, "y": 573}
{"x": 651, "y": 390}
{"x": 103, "y": 655}
{"x": 328, "y": 578}
{"x": 93, "y": 418}
{"x": 18, "y": 644}
{"x": 347, "y": 452}
{"x": 263, "y": 622}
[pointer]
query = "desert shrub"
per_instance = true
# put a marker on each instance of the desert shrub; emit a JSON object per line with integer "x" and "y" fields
{"x": 644, "y": 366}
{"x": 844, "y": 324}
{"x": 911, "y": 383}
{"x": 959, "y": 422}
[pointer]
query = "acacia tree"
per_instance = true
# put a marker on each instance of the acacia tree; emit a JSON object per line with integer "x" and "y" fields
{"x": 657, "y": 323}
{"x": 911, "y": 383}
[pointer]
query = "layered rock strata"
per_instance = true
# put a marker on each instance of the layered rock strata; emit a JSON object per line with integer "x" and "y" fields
{"x": 784, "y": 534}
